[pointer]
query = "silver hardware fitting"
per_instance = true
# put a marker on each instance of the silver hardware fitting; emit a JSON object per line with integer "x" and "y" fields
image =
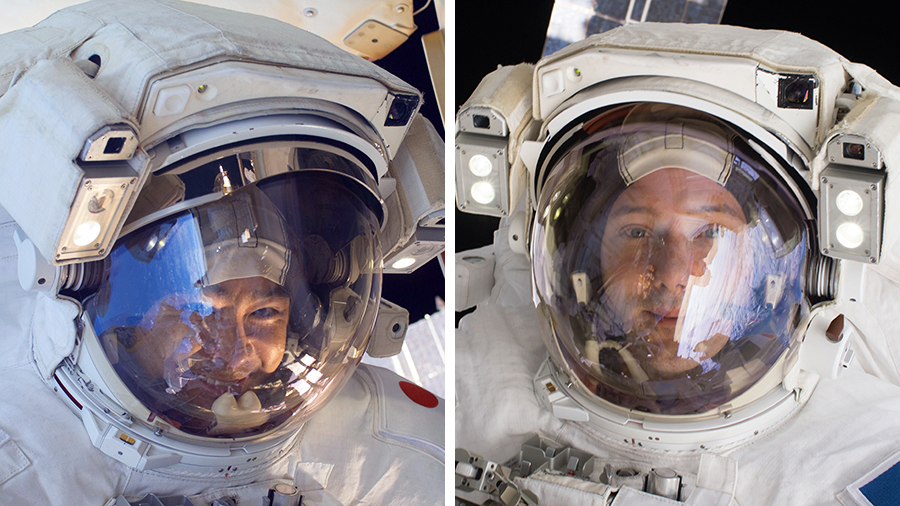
{"x": 283, "y": 494}
{"x": 483, "y": 482}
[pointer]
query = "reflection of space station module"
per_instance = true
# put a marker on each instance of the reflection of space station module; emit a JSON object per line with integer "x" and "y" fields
{"x": 204, "y": 203}
{"x": 701, "y": 217}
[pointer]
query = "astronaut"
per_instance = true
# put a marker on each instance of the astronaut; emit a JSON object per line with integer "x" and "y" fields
{"x": 701, "y": 241}
{"x": 199, "y": 209}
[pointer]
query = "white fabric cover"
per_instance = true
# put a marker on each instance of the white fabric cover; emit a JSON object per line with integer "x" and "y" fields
{"x": 418, "y": 169}
{"x": 846, "y": 429}
{"x": 53, "y": 331}
{"x": 779, "y": 51}
{"x": 371, "y": 444}
{"x": 164, "y": 38}
{"x": 876, "y": 116}
{"x": 41, "y": 144}
{"x": 557, "y": 489}
{"x": 474, "y": 277}
{"x": 423, "y": 175}
{"x": 507, "y": 91}
{"x": 48, "y": 107}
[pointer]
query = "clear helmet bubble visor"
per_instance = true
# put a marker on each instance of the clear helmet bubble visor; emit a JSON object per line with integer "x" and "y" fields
{"x": 244, "y": 314}
{"x": 669, "y": 261}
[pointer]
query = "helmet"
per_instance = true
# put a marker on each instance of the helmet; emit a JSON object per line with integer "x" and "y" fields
{"x": 231, "y": 317}
{"x": 669, "y": 263}
{"x": 218, "y": 235}
{"x": 242, "y": 314}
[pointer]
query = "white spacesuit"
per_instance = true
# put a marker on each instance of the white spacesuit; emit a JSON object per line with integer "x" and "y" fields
{"x": 198, "y": 204}
{"x": 700, "y": 226}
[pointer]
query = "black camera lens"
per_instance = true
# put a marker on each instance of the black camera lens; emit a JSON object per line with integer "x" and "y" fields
{"x": 402, "y": 109}
{"x": 796, "y": 92}
{"x": 398, "y": 110}
{"x": 854, "y": 151}
{"x": 481, "y": 121}
{"x": 114, "y": 146}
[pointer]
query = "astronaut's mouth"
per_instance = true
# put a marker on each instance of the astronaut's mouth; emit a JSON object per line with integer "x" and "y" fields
{"x": 203, "y": 390}
{"x": 226, "y": 384}
{"x": 217, "y": 381}
{"x": 667, "y": 318}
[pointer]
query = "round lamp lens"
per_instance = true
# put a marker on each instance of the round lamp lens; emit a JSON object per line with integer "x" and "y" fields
{"x": 480, "y": 165}
{"x": 483, "y": 193}
{"x": 86, "y": 233}
{"x": 849, "y": 202}
{"x": 403, "y": 263}
{"x": 850, "y": 235}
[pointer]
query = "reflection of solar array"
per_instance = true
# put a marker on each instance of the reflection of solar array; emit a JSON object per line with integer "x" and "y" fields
{"x": 573, "y": 20}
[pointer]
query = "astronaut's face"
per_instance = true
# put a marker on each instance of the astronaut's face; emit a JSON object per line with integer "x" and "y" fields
{"x": 228, "y": 341}
{"x": 660, "y": 238}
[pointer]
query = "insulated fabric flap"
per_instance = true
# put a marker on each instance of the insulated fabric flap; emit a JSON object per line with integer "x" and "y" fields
{"x": 12, "y": 460}
{"x": 778, "y": 51}
{"x": 167, "y": 34}
{"x": 426, "y": 153}
{"x": 42, "y": 132}
{"x": 312, "y": 475}
{"x": 56, "y": 320}
{"x": 631, "y": 497}
{"x": 564, "y": 490}
{"x": 22, "y": 49}
{"x": 717, "y": 473}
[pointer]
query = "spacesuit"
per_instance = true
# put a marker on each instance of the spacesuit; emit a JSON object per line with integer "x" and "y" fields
{"x": 199, "y": 208}
{"x": 697, "y": 226}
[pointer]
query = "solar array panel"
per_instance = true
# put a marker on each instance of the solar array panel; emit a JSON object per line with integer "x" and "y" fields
{"x": 573, "y": 20}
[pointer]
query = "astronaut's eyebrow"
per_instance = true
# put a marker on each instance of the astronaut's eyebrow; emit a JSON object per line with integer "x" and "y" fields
{"x": 633, "y": 209}
{"x": 220, "y": 291}
{"x": 719, "y": 209}
{"x": 702, "y": 210}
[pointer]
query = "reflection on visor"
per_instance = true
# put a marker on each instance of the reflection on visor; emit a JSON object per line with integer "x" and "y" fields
{"x": 261, "y": 160}
{"x": 235, "y": 317}
{"x": 669, "y": 286}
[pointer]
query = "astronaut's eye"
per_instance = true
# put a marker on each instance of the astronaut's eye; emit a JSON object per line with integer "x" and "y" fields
{"x": 266, "y": 312}
{"x": 637, "y": 233}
